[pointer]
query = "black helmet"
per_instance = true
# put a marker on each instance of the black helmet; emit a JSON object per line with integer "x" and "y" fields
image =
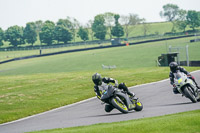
{"x": 96, "y": 78}
{"x": 173, "y": 66}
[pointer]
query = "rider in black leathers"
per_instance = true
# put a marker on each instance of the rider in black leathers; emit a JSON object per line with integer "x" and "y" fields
{"x": 174, "y": 67}
{"x": 101, "y": 83}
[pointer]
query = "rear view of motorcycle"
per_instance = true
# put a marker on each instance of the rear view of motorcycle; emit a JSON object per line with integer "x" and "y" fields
{"x": 187, "y": 87}
{"x": 116, "y": 98}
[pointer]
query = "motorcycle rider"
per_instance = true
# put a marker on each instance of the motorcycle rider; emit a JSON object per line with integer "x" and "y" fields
{"x": 174, "y": 68}
{"x": 101, "y": 83}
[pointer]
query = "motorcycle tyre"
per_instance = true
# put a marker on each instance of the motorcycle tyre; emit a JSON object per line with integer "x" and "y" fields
{"x": 189, "y": 95}
{"x": 117, "y": 105}
{"x": 138, "y": 106}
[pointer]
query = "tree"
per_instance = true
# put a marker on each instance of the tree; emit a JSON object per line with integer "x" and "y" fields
{"x": 129, "y": 22}
{"x": 62, "y": 34}
{"x": 117, "y": 30}
{"x": 47, "y": 32}
{"x": 30, "y": 34}
{"x": 14, "y": 35}
{"x": 109, "y": 22}
{"x": 145, "y": 27}
{"x": 71, "y": 24}
{"x": 99, "y": 28}
{"x": 193, "y": 19}
{"x": 38, "y": 26}
{"x": 66, "y": 23}
{"x": 83, "y": 33}
{"x": 170, "y": 12}
{"x": 90, "y": 31}
{"x": 181, "y": 22}
{"x": 75, "y": 27}
{"x": 134, "y": 19}
{"x": 1, "y": 37}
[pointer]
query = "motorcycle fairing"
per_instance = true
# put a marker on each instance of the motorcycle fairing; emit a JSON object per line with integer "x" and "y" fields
{"x": 106, "y": 94}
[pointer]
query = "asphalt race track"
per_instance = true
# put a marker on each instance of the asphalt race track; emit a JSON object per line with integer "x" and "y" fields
{"x": 157, "y": 98}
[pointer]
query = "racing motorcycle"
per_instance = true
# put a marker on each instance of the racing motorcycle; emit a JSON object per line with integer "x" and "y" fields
{"x": 116, "y": 98}
{"x": 186, "y": 87}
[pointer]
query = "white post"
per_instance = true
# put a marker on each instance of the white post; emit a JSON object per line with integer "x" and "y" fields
{"x": 187, "y": 55}
{"x": 170, "y": 48}
{"x": 178, "y": 56}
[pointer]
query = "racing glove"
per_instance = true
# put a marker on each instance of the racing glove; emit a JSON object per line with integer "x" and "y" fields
{"x": 174, "y": 86}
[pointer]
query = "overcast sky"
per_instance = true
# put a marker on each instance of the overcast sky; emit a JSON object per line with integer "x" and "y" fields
{"x": 19, "y": 12}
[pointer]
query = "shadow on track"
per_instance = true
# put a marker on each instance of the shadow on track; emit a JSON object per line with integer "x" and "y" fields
{"x": 109, "y": 114}
{"x": 175, "y": 104}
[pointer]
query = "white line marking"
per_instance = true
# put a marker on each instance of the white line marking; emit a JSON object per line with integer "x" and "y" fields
{"x": 70, "y": 105}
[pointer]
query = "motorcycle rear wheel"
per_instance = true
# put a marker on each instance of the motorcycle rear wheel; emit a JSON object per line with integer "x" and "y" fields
{"x": 189, "y": 94}
{"x": 139, "y": 106}
{"x": 119, "y": 104}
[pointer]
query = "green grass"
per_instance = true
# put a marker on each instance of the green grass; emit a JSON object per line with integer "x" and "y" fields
{"x": 154, "y": 28}
{"x": 187, "y": 122}
{"x": 134, "y": 56}
{"x": 5, "y": 55}
{"x": 36, "y": 85}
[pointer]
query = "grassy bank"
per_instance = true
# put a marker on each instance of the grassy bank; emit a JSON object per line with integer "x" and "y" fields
{"x": 135, "y": 56}
{"x": 187, "y": 122}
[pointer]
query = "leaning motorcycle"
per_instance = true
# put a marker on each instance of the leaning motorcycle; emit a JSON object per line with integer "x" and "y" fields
{"x": 186, "y": 87}
{"x": 116, "y": 98}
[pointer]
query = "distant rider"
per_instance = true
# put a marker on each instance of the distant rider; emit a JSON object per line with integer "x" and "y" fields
{"x": 101, "y": 83}
{"x": 174, "y": 68}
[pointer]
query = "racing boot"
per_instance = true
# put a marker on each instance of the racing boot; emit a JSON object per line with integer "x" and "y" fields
{"x": 175, "y": 90}
{"x": 108, "y": 108}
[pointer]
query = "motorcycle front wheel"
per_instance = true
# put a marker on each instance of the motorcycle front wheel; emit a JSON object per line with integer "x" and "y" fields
{"x": 119, "y": 104}
{"x": 189, "y": 94}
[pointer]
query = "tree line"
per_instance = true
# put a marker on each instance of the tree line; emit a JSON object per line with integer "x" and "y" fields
{"x": 64, "y": 30}
{"x": 114, "y": 25}
{"x": 180, "y": 18}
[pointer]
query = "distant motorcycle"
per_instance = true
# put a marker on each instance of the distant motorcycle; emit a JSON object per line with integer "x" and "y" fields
{"x": 116, "y": 98}
{"x": 186, "y": 87}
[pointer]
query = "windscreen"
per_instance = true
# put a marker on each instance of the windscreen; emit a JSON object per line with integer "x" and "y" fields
{"x": 178, "y": 75}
